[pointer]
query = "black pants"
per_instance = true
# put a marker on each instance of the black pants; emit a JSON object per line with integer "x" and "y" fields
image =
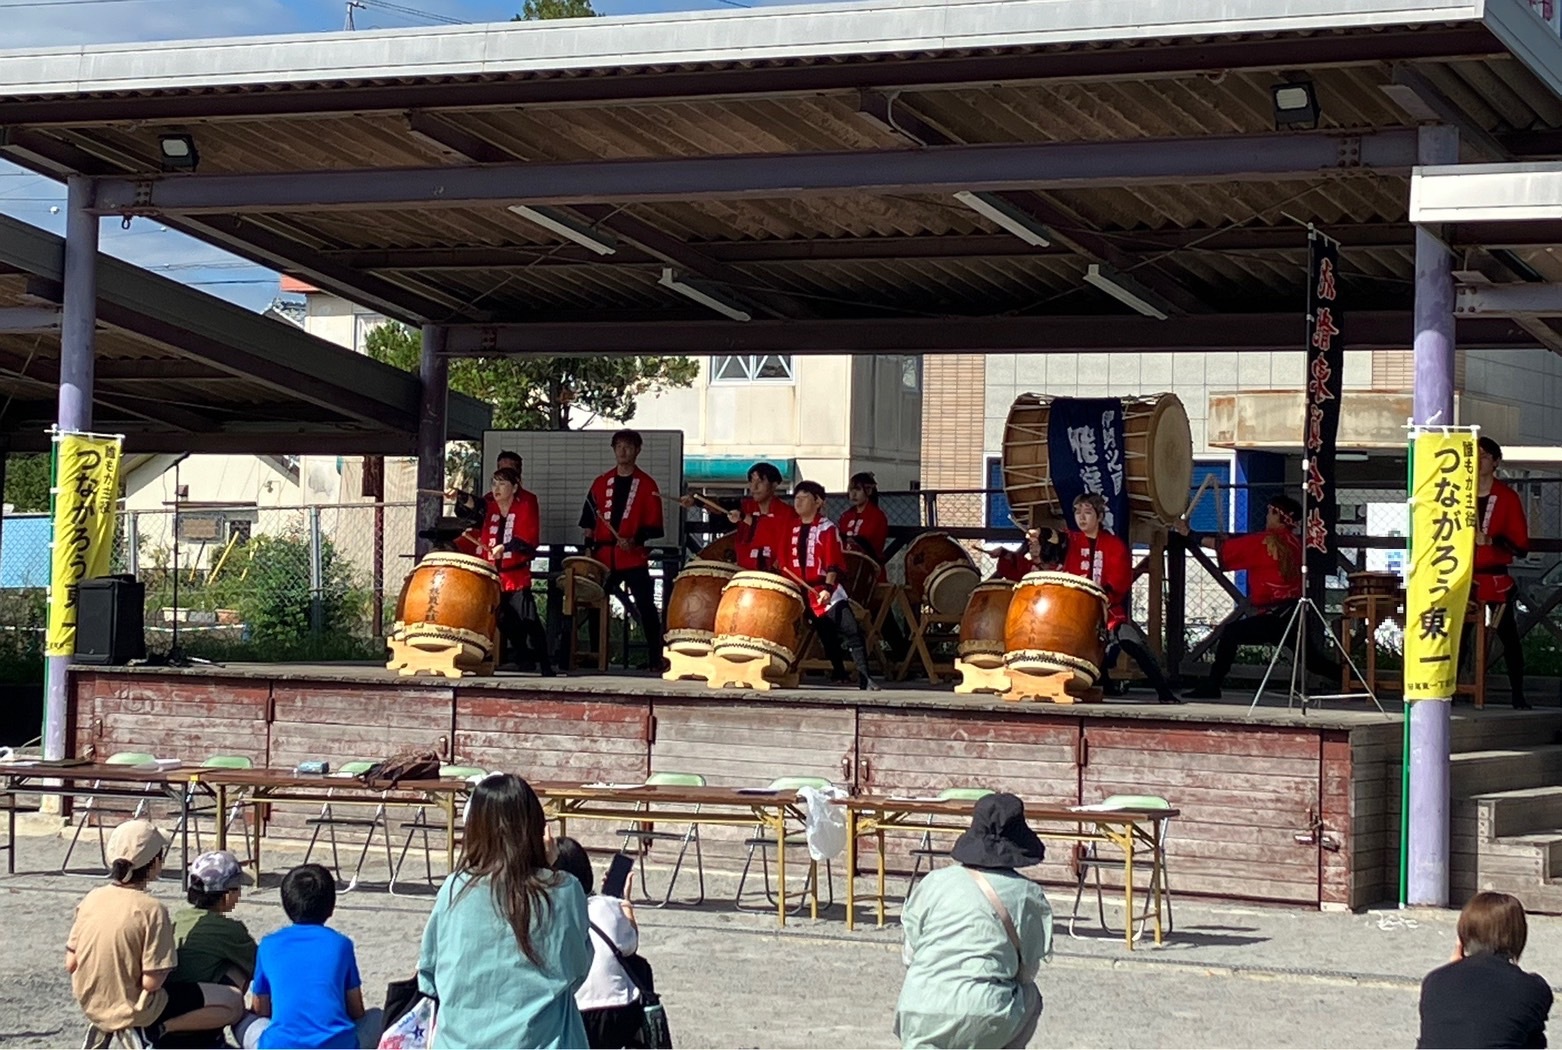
{"x": 642, "y": 602}
{"x": 1508, "y": 635}
{"x": 1268, "y": 627}
{"x": 1130, "y": 639}
{"x": 837, "y": 626}
{"x": 521, "y": 629}
{"x": 614, "y": 1026}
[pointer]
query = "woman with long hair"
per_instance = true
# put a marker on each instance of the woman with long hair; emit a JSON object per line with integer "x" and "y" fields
{"x": 506, "y": 945}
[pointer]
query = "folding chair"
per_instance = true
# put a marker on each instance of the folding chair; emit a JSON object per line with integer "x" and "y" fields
{"x": 330, "y": 821}
{"x": 925, "y": 847}
{"x": 763, "y": 842}
{"x": 91, "y": 810}
{"x": 1091, "y": 863}
{"x": 641, "y": 832}
{"x": 194, "y": 807}
{"x": 419, "y": 824}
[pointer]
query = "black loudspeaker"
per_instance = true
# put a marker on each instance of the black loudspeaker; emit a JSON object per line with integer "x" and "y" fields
{"x": 110, "y": 620}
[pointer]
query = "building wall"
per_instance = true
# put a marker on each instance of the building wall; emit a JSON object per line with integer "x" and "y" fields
{"x": 1528, "y": 380}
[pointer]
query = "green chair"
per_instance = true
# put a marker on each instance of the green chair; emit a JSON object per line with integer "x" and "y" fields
{"x": 92, "y": 813}
{"x": 196, "y": 806}
{"x": 419, "y": 824}
{"x": 763, "y": 841}
{"x": 329, "y": 821}
{"x": 641, "y": 833}
{"x": 1090, "y": 865}
{"x": 925, "y": 848}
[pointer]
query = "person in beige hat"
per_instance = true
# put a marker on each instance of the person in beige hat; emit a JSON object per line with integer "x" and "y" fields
{"x": 121, "y": 950}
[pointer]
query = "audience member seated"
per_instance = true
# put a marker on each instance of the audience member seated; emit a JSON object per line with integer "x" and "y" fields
{"x": 609, "y": 1001}
{"x": 1481, "y": 997}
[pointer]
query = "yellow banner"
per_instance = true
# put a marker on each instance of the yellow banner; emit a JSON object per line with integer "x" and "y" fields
{"x": 1442, "y": 561}
{"x": 86, "y": 492}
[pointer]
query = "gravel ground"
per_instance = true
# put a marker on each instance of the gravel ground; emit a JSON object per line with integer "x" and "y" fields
{"x": 1229, "y": 976}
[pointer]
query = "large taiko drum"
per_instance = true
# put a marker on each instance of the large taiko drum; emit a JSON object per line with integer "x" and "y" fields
{"x": 760, "y": 618}
{"x": 590, "y": 576}
{"x": 984, "y": 627}
{"x": 939, "y": 574}
{"x": 1056, "y": 622}
{"x": 692, "y": 605}
{"x": 1157, "y": 461}
{"x": 452, "y": 598}
{"x": 724, "y": 549}
{"x": 862, "y": 578}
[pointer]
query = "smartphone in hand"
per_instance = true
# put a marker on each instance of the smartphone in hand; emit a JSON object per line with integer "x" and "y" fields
{"x": 616, "y": 880}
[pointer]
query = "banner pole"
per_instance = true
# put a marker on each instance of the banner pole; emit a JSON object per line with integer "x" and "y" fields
{"x": 1404, "y": 720}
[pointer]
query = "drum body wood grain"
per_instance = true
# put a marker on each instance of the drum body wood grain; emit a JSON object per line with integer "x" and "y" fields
{"x": 590, "y": 578}
{"x": 452, "y": 598}
{"x": 984, "y": 627}
{"x": 724, "y": 548}
{"x": 760, "y": 618}
{"x": 692, "y": 605}
{"x": 939, "y": 574}
{"x": 1157, "y": 461}
{"x": 1056, "y": 622}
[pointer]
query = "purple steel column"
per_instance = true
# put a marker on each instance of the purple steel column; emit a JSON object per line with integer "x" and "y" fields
{"x": 78, "y": 327}
{"x": 1434, "y": 406}
{"x": 435, "y": 372}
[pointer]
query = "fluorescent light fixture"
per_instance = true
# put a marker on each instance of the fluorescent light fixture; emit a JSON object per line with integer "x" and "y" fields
{"x": 670, "y": 279}
{"x": 1127, "y": 291}
{"x": 1006, "y": 215}
{"x": 571, "y": 229}
{"x": 178, "y": 152}
{"x": 1296, "y": 103}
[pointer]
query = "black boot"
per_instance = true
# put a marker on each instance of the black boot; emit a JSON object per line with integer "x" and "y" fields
{"x": 865, "y": 680}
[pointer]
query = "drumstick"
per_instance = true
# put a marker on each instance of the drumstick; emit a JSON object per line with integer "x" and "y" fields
{"x": 705, "y": 501}
{"x": 1209, "y": 479}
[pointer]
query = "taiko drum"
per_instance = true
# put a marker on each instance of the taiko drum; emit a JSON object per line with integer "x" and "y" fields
{"x": 760, "y": 618}
{"x": 984, "y": 627}
{"x": 692, "y": 605}
{"x": 1157, "y": 459}
{"x": 590, "y": 576}
{"x": 724, "y": 549}
{"x": 862, "y": 578}
{"x": 939, "y": 573}
{"x": 1056, "y": 622}
{"x": 452, "y": 598}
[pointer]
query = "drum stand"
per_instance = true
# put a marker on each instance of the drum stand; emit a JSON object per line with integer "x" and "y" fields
{"x": 1296, "y": 634}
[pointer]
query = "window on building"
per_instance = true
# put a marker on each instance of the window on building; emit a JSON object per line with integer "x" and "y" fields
{"x": 752, "y": 368}
{"x": 911, "y": 374}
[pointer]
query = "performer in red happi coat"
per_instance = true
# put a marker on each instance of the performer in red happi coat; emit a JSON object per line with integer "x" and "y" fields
{"x": 811, "y": 554}
{"x": 1095, "y": 554}
{"x": 623, "y": 513}
{"x": 761, "y": 517}
{"x": 1502, "y": 534}
{"x": 507, "y": 535}
{"x": 864, "y": 525}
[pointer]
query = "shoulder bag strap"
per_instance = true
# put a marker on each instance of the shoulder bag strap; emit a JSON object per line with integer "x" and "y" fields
{"x": 1002, "y": 912}
{"x": 629, "y": 971}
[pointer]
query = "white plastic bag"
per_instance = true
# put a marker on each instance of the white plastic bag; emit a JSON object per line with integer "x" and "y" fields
{"x": 825, "y": 822}
{"x": 413, "y": 1030}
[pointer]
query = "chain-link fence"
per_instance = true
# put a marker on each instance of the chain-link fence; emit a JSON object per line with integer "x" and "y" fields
{"x": 320, "y": 582}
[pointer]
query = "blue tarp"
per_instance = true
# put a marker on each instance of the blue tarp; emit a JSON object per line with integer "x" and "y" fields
{"x": 24, "y": 551}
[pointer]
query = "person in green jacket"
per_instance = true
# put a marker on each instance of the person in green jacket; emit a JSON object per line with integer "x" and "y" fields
{"x": 508, "y": 942}
{"x": 214, "y": 948}
{"x": 976, "y": 933}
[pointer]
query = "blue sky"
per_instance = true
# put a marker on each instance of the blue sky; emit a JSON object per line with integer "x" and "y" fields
{"x": 63, "y": 23}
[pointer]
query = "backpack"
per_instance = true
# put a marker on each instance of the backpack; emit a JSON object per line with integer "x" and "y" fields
{"x": 405, "y": 765}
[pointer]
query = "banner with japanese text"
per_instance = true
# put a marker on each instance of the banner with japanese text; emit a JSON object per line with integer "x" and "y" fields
{"x": 1442, "y": 560}
{"x": 86, "y": 493}
{"x": 1085, "y": 454}
{"x": 1325, "y": 378}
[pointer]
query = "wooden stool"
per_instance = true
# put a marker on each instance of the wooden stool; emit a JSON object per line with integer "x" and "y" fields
{"x": 1371, "y": 611}
{"x": 602, "y": 610}
{"x": 925, "y": 625}
{"x": 1062, "y": 687}
{"x": 975, "y": 679}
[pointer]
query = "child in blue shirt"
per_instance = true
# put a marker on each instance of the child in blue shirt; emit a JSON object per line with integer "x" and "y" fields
{"x": 306, "y": 975}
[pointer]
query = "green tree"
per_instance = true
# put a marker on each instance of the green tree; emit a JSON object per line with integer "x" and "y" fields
{"x": 27, "y": 481}
{"x": 543, "y": 393}
{"x": 538, "y": 10}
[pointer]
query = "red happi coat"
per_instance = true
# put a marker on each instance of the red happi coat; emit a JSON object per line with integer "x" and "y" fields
{"x": 813, "y": 561}
{"x": 869, "y": 527}
{"x": 1106, "y": 562}
{"x": 1272, "y": 560}
{"x": 638, "y": 520}
{"x": 1501, "y": 516}
{"x": 523, "y": 523}
{"x": 762, "y": 541}
{"x": 1013, "y": 565}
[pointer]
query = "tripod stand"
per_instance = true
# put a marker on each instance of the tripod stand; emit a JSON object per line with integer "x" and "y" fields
{"x": 176, "y": 656}
{"x": 1296, "y": 635}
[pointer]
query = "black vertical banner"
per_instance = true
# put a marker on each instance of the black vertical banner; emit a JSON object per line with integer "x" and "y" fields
{"x": 1325, "y": 368}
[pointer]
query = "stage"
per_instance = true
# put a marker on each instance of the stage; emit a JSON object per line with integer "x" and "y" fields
{"x": 1276, "y": 806}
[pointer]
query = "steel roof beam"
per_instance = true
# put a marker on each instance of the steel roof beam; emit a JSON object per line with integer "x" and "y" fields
{"x": 1069, "y": 165}
{"x": 1215, "y": 55}
{"x": 29, "y": 320}
{"x": 1049, "y": 335}
{"x": 26, "y": 430}
{"x": 1509, "y": 300}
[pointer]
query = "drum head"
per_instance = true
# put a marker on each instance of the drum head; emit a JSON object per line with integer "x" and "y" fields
{"x": 1169, "y": 472}
{"x": 591, "y": 566}
{"x": 449, "y": 559}
{"x": 949, "y": 587}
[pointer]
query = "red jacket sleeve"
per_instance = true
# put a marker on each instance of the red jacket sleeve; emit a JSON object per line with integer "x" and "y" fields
{"x": 653, "y": 524}
{"x": 1240, "y": 553}
{"x": 1117, "y": 570}
{"x": 528, "y": 519}
{"x": 1508, "y": 534}
{"x": 830, "y": 555}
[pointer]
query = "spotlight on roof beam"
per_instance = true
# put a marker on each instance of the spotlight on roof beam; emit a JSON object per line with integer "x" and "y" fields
{"x": 570, "y": 229}
{"x": 1127, "y": 291}
{"x": 723, "y": 306}
{"x": 1006, "y": 215}
{"x": 1296, "y": 104}
{"x": 178, "y": 152}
